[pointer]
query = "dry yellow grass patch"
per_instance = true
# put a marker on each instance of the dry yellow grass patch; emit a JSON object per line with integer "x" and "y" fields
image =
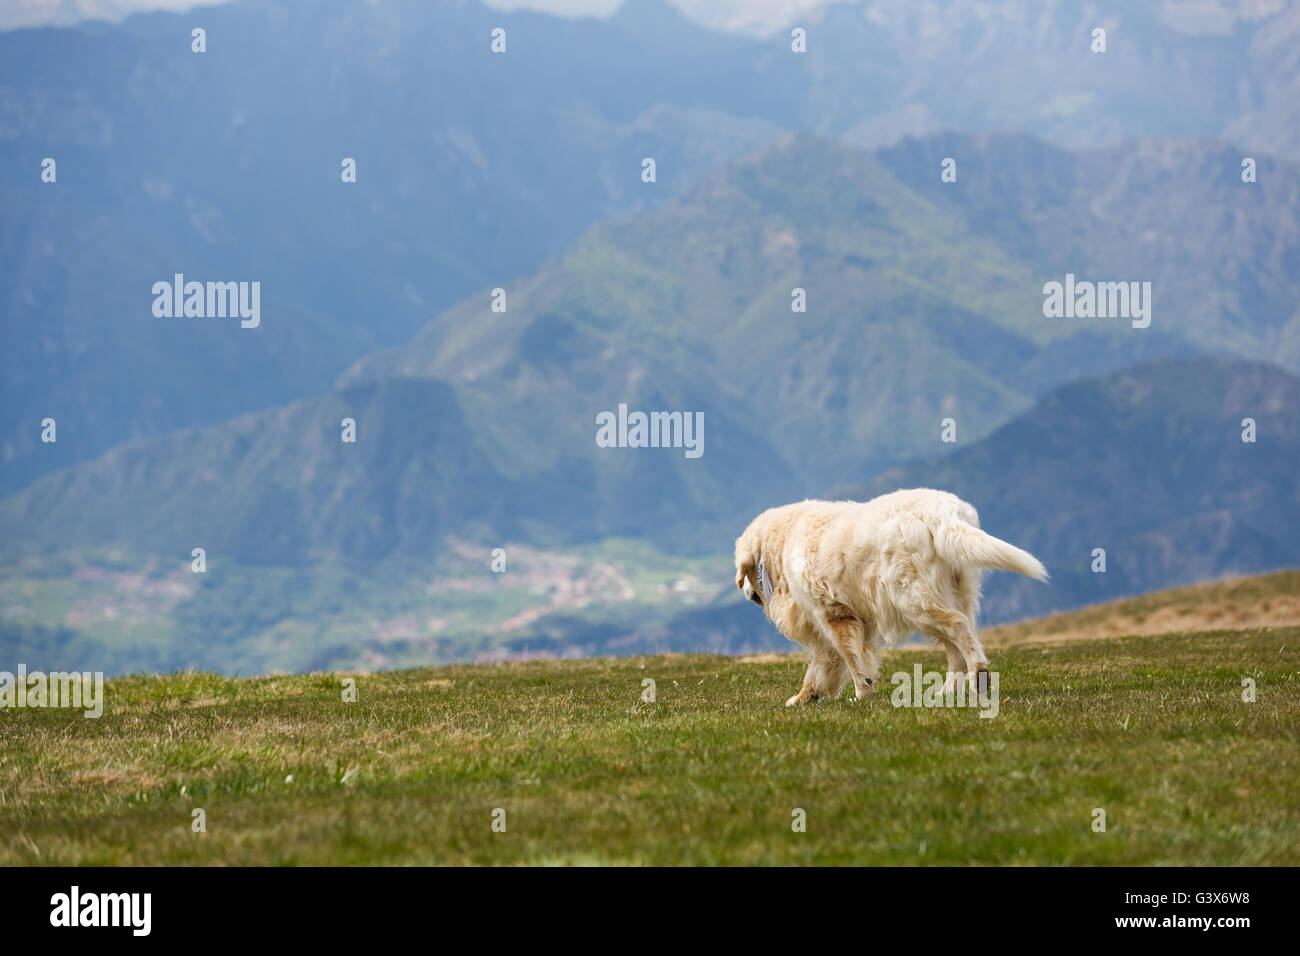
{"x": 1269, "y": 600}
{"x": 769, "y": 658}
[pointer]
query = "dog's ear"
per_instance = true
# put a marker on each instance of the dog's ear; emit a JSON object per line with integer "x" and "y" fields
{"x": 746, "y": 569}
{"x": 747, "y": 579}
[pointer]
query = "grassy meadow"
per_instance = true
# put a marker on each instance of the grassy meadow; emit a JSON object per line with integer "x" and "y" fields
{"x": 1151, "y": 729}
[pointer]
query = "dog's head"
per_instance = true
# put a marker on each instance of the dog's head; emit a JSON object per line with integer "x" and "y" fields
{"x": 753, "y": 580}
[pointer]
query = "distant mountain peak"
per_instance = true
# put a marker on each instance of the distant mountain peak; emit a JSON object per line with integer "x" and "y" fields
{"x": 659, "y": 24}
{"x": 633, "y": 11}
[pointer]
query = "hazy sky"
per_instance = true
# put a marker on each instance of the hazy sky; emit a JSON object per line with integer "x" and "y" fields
{"x": 751, "y": 16}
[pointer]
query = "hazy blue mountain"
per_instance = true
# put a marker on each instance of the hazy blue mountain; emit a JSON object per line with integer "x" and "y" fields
{"x": 280, "y": 487}
{"x": 917, "y": 312}
{"x": 923, "y": 302}
{"x": 1146, "y": 463}
{"x": 1146, "y": 210}
{"x": 471, "y": 167}
{"x": 886, "y": 67}
{"x": 474, "y": 168}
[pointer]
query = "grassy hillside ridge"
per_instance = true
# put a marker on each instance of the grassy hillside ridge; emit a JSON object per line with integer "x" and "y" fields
{"x": 1153, "y": 730}
{"x": 1261, "y": 600}
{"x": 1238, "y": 603}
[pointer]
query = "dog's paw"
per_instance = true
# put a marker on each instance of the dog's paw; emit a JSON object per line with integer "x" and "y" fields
{"x": 977, "y": 682}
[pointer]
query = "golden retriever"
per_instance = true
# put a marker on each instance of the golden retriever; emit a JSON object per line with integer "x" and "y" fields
{"x": 845, "y": 577}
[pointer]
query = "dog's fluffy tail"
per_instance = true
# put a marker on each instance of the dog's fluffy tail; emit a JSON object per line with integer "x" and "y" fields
{"x": 966, "y": 546}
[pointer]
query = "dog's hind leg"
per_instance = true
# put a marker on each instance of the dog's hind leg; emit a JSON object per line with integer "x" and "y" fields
{"x": 956, "y": 665}
{"x": 968, "y": 594}
{"x": 978, "y": 677}
{"x": 958, "y": 635}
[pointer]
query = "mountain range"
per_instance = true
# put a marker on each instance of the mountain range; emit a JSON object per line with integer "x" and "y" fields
{"x": 920, "y": 314}
{"x": 844, "y": 315}
{"x": 1122, "y": 484}
{"x": 475, "y": 168}
{"x": 918, "y": 310}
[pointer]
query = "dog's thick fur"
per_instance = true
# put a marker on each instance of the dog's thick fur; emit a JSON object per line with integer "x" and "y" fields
{"x": 848, "y": 578}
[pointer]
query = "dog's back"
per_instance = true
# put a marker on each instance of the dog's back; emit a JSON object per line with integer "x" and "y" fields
{"x": 954, "y": 530}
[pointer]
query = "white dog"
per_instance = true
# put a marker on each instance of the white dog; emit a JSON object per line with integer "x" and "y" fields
{"x": 844, "y": 577}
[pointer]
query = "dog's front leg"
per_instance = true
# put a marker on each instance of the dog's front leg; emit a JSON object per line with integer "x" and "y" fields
{"x": 850, "y": 638}
{"x": 825, "y": 677}
{"x": 808, "y": 692}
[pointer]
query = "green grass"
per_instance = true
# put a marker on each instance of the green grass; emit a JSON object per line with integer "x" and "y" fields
{"x": 1152, "y": 729}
